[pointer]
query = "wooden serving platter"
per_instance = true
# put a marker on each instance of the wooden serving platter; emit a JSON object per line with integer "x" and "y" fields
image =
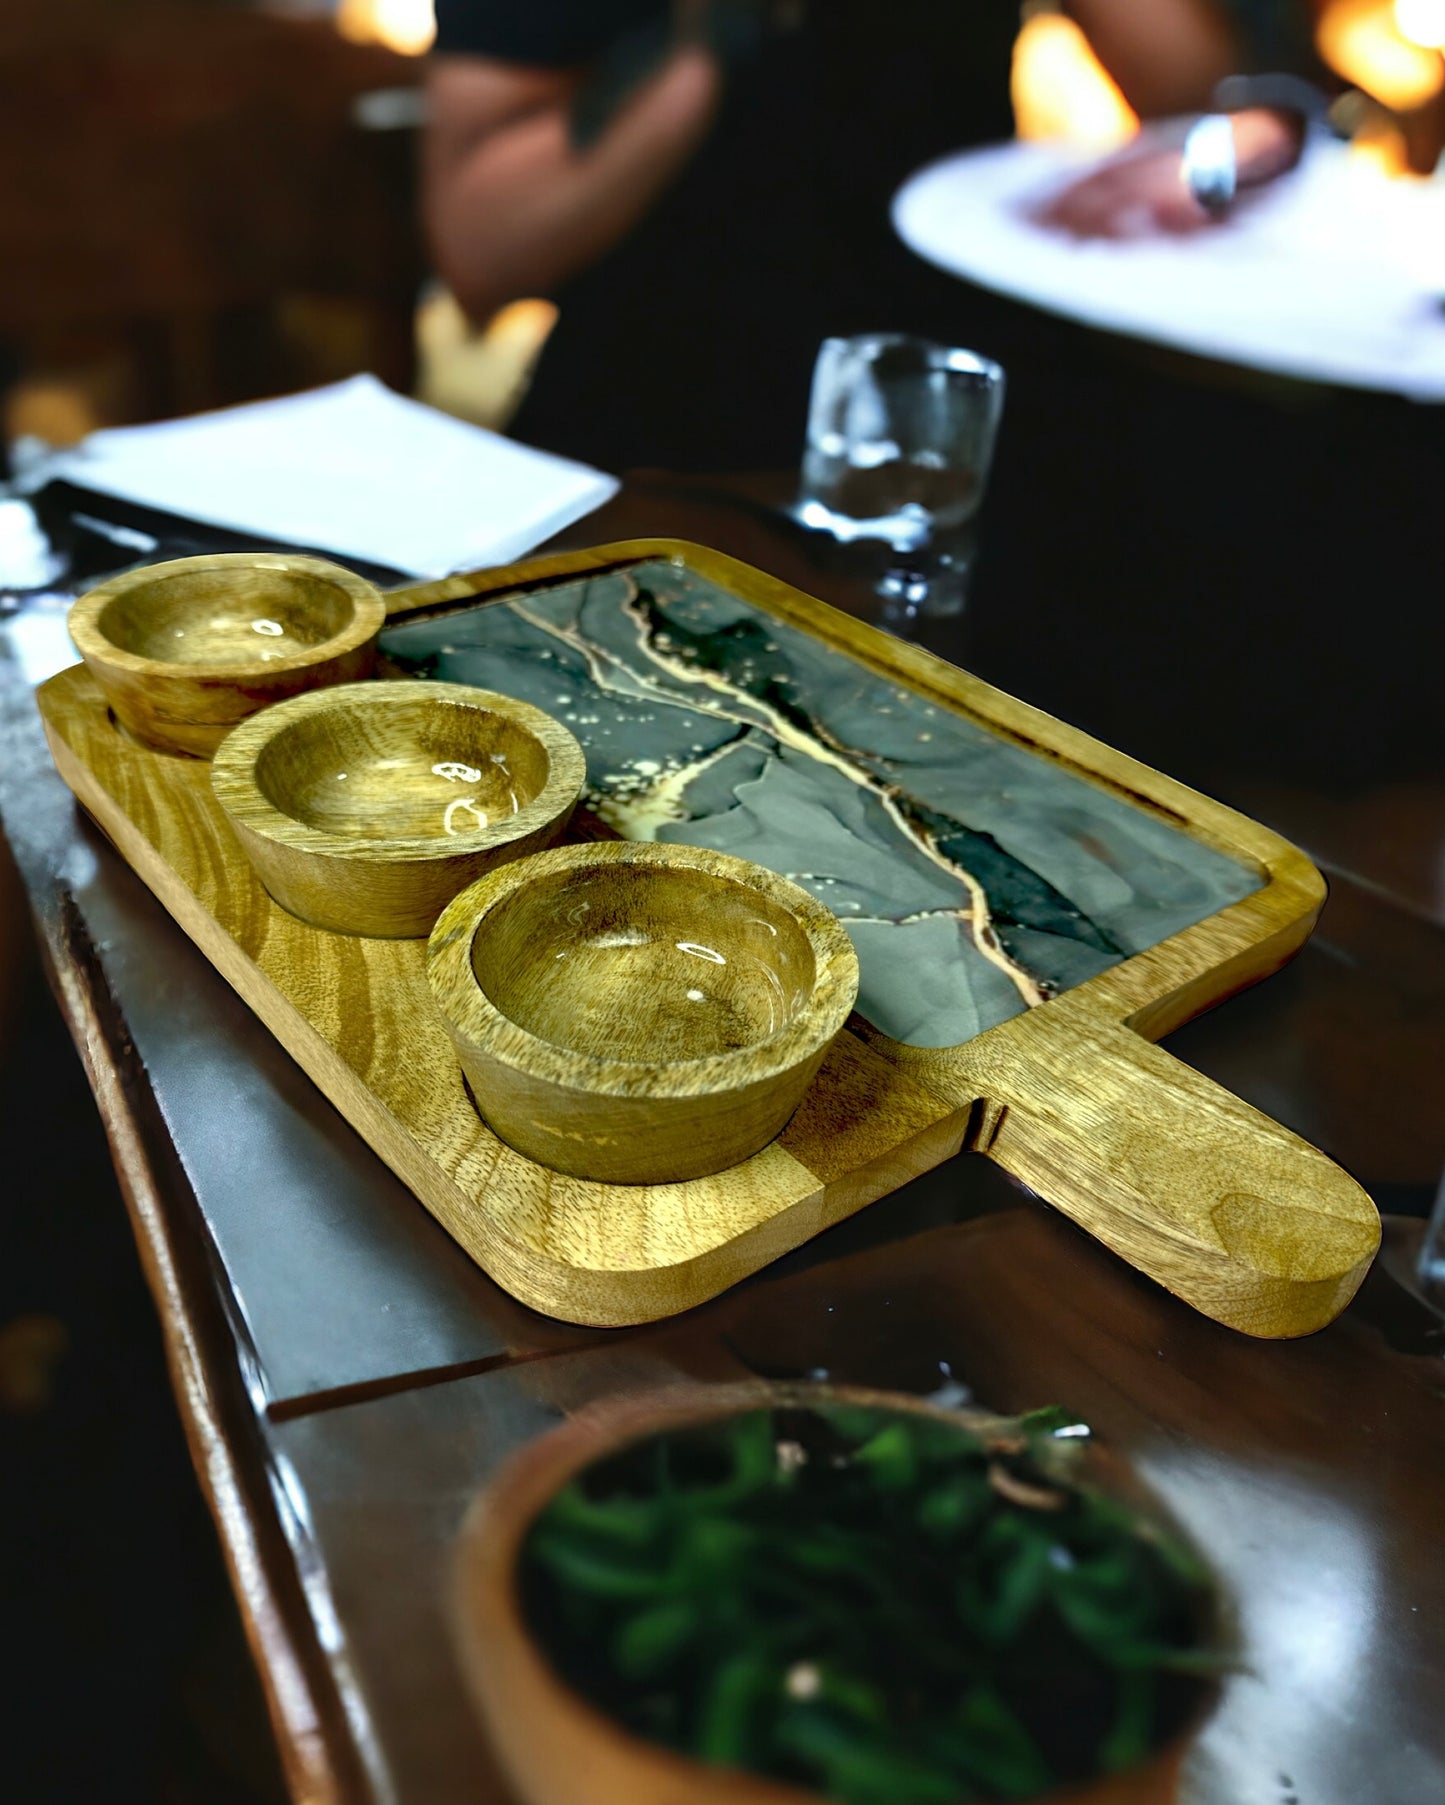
{"x": 1030, "y": 909}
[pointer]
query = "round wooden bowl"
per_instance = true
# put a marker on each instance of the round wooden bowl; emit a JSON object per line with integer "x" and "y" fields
{"x": 183, "y": 651}
{"x": 558, "y": 1748}
{"x": 364, "y": 808}
{"x": 640, "y": 1013}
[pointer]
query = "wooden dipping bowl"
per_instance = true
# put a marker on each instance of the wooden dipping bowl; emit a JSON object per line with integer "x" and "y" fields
{"x": 640, "y": 1013}
{"x": 364, "y": 808}
{"x": 183, "y": 651}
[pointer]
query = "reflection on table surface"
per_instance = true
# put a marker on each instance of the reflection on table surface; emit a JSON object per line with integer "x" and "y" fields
{"x": 350, "y": 1377}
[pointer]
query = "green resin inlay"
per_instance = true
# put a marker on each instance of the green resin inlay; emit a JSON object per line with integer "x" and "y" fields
{"x": 975, "y": 877}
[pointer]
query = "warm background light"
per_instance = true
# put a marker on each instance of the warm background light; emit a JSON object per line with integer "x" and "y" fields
{"x": 478, "y": 374}
{"x": 1422, "y": 22}
{"x": 1361, "y": 40}
{"x": 1060, "y": 89}
{"x": 407, "y": 26}
{"x": 1381, "y": 146}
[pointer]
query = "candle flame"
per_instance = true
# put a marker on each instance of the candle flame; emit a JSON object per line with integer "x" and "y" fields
{"x": 406, "y": 26}
{"x": 1060, "y": 89}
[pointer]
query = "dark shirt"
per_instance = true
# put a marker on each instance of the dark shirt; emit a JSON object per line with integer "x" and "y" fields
{"x": 691, "y": 343}
{"x": 550, "y": 34}
{"x": 1275, "y": 36}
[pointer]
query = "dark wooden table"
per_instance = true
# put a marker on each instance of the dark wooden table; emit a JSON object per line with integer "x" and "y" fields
{"x": 348, "y": 1379}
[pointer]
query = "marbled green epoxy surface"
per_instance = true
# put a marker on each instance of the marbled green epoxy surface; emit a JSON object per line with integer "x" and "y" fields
{"x": 974, "y": 877}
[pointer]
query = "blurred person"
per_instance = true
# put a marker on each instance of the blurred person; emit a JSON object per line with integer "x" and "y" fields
{"x": 1184, "y": 57}
{"x": 704, "y": 188}
{"x": 1253, "y": 63}
{"x": 706, "y": 208}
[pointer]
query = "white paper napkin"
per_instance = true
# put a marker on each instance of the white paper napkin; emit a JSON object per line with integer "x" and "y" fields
{"x": 354, "y": 469}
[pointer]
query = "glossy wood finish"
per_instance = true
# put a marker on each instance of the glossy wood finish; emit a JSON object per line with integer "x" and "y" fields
{"x": 1178, "y": 1178}
{"x": 360, "y": 1018}
{"x": 1236, "y": 1215}
{"x": 365, "y": 808}
{"x": 1230, "y": 1211}
{"x": 640, "y": 1013}
{"x": 560, "y": 1750}
{"x": 387, "y": 1377}
{"x": 184, "y": 651}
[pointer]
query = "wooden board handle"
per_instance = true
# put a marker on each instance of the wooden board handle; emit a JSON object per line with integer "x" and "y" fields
{"x": 1227, "y": 1209}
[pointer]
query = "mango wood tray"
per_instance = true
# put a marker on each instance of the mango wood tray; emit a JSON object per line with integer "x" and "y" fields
{"x": 1030, "y": 909}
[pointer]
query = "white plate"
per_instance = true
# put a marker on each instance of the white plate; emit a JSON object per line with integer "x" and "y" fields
{"x": 1332, "y": 274}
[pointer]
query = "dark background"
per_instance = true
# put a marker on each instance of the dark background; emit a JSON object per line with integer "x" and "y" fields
{"x": 1234, "y": 578}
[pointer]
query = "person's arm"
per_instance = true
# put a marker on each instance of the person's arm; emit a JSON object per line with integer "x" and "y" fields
{"x": 511, "y": 207}
{"x": 1166, "y": 56}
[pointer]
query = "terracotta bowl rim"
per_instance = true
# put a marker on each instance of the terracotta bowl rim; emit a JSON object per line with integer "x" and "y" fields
{"x": 484, "y": 1571}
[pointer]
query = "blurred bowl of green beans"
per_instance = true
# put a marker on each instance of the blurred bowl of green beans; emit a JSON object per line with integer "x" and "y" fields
{"x": 774, "y": 1594}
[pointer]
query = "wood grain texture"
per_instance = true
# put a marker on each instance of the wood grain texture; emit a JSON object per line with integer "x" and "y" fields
{"x": 359, "y": 1017}
{"x": 560, "y": 1750}
{"x": 640, "y": 1013}
{"x": 1224, "y": 1206}
{"x": 352, "y": 1012}
{"x": 1065, "y": 1096}
{"x": 366, "y": 807}
{"x": 186, "y": 649}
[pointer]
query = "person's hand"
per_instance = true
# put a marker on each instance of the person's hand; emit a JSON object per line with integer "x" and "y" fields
{"x": 1141, "y": 193}
{"x": 1138, "y": 194}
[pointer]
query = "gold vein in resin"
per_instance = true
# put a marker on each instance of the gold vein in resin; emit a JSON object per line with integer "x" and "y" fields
{"x": 642, "y": 811}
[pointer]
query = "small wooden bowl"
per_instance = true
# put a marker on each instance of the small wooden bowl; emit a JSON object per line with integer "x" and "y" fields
{"x": 640, "y": 1013}
{"x": 364, "y": 808}
{"x": 560, "y": 1749}
{"x": 185, "y": 650}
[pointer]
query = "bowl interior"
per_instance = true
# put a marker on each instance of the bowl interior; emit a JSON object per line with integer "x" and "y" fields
{"x": 645, "y": 963}
{"x": 402, "y": 768}
{"x": 221, "y": 616}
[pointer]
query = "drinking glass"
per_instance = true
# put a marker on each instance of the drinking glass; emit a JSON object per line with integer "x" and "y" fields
{"x": 900, "y": 438}
{"x": 1430, "y": 1264}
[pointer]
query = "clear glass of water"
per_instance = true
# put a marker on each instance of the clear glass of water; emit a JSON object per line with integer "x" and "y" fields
{"x": 1430, "y": 1266}
{"x": 901, "y": 435}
